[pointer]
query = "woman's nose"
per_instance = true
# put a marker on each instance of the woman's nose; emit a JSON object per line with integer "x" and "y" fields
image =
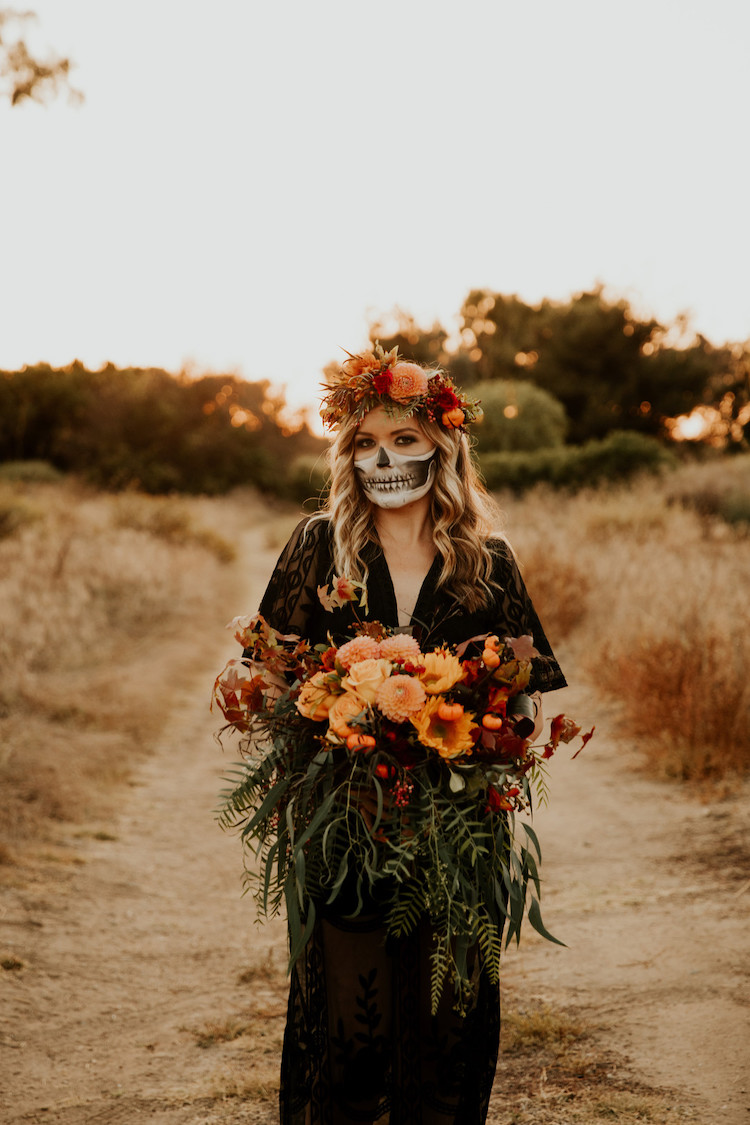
{"x": 382, "y": 461}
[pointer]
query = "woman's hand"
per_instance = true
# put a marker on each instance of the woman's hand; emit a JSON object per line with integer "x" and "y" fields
{"x": 536, "y": 699}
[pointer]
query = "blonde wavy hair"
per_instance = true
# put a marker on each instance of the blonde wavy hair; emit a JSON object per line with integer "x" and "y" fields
{"x": 464, "y": 516}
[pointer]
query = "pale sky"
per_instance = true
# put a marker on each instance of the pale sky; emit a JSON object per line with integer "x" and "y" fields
{"x": 247, "y": 181}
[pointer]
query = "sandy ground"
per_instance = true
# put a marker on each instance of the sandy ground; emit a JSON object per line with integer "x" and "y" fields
{"x": 138, "y": 988}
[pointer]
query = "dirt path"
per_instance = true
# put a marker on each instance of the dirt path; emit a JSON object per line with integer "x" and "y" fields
{"x": 143, "y": 949}
{"x": 650, "y": 890}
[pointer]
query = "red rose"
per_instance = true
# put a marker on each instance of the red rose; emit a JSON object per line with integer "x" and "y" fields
{"x": 447, "y": 400}
{"x": 382, "y": 382}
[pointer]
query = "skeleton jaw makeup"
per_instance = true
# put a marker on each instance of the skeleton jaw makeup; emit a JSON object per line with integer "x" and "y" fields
{"x": 392, "y": 480}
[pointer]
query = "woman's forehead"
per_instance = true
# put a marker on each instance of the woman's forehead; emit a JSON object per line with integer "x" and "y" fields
{"x": 377, "y": 422}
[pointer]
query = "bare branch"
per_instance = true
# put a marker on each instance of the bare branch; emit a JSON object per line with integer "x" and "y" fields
{"x": 29, "y": 77}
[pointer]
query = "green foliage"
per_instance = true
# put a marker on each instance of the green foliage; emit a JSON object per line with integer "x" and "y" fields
{"x": 321, "y": 829}
{"x": 717, "y": 491}
{"x": 148, "y": 429}
{"x": 307, "y": 478}
{"x": 15, "y": 514}
{"x": 609, "y": 369}
{"x": 735, "y": 509}
{"x": 616, "y": 457}
{"x": 518, "y": 417}
{"x": 29, "y": 472}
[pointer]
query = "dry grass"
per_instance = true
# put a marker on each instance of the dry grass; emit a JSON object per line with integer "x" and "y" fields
{"x": 170, "y": 520}
{"x": 527, "y": 1029}
{"x": 218, "y": 1031}
{"x": 551, "y": 1071}
{"x": 98, "y": 595}
{"x": 560, "y": 589}
{"x": 651, "y": 597}
{"x": 645, "y": 593}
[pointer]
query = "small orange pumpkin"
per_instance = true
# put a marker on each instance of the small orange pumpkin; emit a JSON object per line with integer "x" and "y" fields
{"x": 449, "y": 712}
{"x": 360, "y": 742}
{"x": 490, "y": 659}
{"x": 454, "y": 418}
{"x": 492, "y": 722}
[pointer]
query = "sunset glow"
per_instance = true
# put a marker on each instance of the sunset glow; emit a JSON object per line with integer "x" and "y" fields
{"x": 242, "y": 191}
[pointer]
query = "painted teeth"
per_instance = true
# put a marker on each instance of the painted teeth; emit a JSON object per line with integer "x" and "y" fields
{"x": 389, "y": 485}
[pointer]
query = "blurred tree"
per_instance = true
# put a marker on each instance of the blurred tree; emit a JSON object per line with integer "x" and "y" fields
{"x": 26, "y": 75}
{"x": 729, "y": 393}
{"x": 517, "y": 416}
{"x": 150, "y": 429}
{"x": 609, "y": 369}
{"x": 420, "y": 345}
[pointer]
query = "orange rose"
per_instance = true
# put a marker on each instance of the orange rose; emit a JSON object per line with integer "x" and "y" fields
{"x": 366, "y": 676}
{"x": 315, "y": 699}
{"x": 343, "y": 709}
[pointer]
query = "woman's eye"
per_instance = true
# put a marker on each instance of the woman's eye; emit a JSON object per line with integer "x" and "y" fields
{"x": 363, "y": 443}
{"x": 405, "y": 439}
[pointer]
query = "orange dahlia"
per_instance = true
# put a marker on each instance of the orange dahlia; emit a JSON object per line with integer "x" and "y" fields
{"x": 361, "y": 648}
{"x": 409, "y": 381}
{"x": 400, "y": 697}
{"x": 400, "y": 648}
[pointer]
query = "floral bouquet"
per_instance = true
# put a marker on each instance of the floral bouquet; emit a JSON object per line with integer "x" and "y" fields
{"x": 377, "y": 777}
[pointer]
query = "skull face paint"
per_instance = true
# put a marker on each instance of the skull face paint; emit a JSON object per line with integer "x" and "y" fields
{"x": 392, "y": 480}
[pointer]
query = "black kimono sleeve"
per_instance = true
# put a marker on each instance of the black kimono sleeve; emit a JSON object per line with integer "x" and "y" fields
{"x": 516, "y": 613}
{"x": 291, "y": 599}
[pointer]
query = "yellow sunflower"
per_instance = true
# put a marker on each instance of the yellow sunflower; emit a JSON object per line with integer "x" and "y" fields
{"x": 442, "y": 671}
{"x": 450, "y": 738}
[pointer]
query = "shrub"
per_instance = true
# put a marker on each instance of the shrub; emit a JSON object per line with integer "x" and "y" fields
{"x": 619, "y": 456}
{"x": 307, "y": 479}
{"x": 29, "y": 472}
{"x": 518, "y": 417}
{"x": 735, "y": 509}
{"x": 14, "y": 515}
{"x": 717, "y": 490}
{"x": 685, "y": 695}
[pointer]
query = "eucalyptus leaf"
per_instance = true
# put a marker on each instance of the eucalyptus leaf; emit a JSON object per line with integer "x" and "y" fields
{"x": 535, "y": 918}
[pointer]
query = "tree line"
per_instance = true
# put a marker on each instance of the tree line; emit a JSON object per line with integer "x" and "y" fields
{"x": 608, "y": 368}
{"x": 574, "y": 393}
{"x": 149, "y": 429}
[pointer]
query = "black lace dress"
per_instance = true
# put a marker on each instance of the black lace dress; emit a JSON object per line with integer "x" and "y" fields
{"x": 360, "y": 1043}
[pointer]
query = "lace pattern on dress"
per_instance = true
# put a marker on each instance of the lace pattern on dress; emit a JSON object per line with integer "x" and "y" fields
{"x": 362, "y": 1046}
{"x": 291, "y": 596}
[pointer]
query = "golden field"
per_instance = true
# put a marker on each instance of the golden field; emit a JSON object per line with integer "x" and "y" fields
{"x": 640, "y": 588}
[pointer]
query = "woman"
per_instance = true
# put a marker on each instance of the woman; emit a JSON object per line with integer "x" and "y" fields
{"x": 408, "y": 517}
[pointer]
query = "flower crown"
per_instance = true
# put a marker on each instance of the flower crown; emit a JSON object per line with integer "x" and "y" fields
{"x": 380, "y": 378}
